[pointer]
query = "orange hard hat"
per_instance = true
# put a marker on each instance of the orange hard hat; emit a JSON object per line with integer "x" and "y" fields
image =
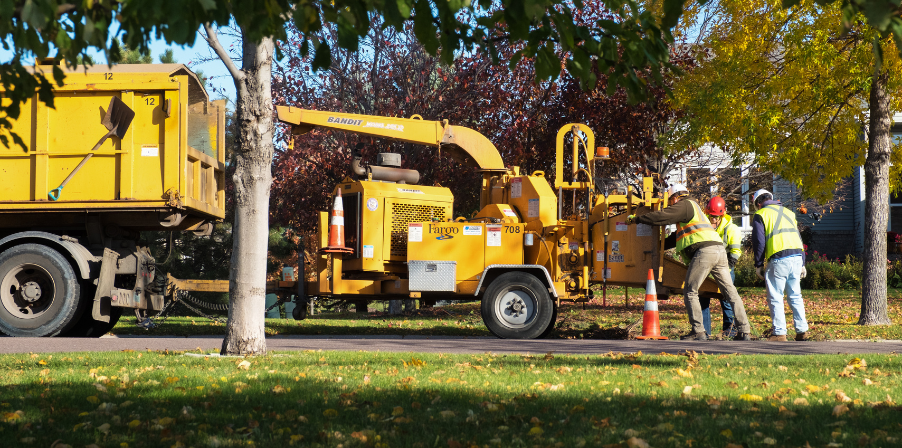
{"x": 716, "y": 206}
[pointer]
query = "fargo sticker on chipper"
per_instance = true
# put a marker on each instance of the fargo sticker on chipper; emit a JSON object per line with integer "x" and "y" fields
{"x": 415, "y": 232}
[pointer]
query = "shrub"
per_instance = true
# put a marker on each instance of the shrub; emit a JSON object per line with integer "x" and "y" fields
{"x": 745, "y": 271}
{"x": 824, "y": 273}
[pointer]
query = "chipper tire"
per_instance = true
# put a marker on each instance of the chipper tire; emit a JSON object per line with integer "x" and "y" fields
{"x": 517, "y": 305}
{"x": 39, "y": 292}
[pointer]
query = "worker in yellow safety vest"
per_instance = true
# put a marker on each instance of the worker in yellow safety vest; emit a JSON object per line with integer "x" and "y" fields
{"x": 731, "y": 237}
{"x": 776, "y": 239}
{"x": 700, "y": 245}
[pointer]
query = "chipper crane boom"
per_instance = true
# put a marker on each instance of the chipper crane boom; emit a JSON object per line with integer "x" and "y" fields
{"x": 519, "y": 255}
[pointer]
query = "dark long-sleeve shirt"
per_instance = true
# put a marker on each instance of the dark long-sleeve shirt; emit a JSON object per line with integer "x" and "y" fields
{"x": 759, "y": 240}
{"x": 682, "y": 211}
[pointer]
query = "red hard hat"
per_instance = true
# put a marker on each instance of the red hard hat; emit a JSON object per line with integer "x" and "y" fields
{"x": 716, "y": 206}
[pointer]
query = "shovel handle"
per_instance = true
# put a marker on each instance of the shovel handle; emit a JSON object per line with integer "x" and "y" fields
{"x": 59, "y": 190}
{"x": 54, "y": 194}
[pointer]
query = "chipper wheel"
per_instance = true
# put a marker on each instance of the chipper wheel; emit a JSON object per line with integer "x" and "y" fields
{"x": 39, "y": 292}
{"x": 517, "y": 306}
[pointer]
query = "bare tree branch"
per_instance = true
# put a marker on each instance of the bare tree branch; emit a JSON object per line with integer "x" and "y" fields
{"x": 213, "y": 42}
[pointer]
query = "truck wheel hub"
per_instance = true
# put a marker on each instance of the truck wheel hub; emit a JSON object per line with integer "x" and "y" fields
{"x": 514, "y": 309}
{"x": 31, "y": 291}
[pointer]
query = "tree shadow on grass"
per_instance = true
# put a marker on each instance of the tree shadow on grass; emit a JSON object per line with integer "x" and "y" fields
{"x": 322, "y": 409}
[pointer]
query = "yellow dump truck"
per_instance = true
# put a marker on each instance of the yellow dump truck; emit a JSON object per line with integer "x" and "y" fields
{"x": 519, "y": 255}
{"x": 126, "y": 149}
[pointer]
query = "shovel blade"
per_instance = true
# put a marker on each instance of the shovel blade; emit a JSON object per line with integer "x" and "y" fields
{"x": 118, "y": 117}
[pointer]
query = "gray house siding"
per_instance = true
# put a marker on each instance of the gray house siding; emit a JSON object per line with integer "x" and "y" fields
{"x": 835, "y": 234}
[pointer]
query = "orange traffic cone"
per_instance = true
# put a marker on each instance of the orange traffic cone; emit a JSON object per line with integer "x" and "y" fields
{"x": 337, "y": 229}
{"x": 650, "y": 327}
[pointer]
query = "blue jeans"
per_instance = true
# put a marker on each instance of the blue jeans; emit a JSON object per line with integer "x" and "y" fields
{"x": 782, "y": 275}
{"x": 728, "y": 317}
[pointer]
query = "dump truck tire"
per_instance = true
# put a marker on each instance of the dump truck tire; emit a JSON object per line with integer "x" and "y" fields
{"x": 39, "y": 292}
{"x": 517, "y": 306}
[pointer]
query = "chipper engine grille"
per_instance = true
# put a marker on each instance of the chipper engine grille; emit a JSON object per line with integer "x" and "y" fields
{"x": 403, "y": 214}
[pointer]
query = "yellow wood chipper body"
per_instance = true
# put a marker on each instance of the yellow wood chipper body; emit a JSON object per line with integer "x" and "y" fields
{"x": 519, "y": 255}
{"x": 124, "y": 149}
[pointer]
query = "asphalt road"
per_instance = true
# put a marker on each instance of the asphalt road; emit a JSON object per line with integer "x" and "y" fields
{"x": 438, "y": 344}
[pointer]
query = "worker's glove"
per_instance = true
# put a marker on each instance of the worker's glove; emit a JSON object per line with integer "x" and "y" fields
{"x": 759, "y": 272}
{"x": 631, "y": 219}
{"x": 804, "y": 272}
{"x": 732, "y": 260}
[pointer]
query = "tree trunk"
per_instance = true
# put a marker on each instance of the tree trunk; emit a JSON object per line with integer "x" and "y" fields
{"x": 876, "y": 211}
{"x": 253, "y": 177}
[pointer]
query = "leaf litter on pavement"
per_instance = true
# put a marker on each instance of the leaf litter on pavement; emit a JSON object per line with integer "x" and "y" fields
{"x": 831, "y": 315}
{"x": 314, "y": 398}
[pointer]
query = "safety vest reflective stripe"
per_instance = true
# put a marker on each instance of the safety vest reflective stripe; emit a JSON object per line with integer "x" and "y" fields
{"x": 781, "y": 216}
{"x": 689, "y": 230}
{"x": 696, "y": 230}
{"x": 780, "y": 229}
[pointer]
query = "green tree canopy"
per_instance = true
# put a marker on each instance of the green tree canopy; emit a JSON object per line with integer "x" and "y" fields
{"x": 626, "y": 41}
{"x": 788, "y": 87}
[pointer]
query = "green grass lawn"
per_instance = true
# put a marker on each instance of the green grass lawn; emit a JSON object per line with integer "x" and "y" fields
{"x": 349, "y": 399}
{"x": 831, "y": 315}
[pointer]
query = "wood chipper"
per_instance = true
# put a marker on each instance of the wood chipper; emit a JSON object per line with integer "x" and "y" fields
{"x": 127, "y": 148}
{"x": 518, "y": 255}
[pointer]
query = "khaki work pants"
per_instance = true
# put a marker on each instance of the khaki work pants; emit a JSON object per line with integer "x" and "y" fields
{"x": 712, "y": 260}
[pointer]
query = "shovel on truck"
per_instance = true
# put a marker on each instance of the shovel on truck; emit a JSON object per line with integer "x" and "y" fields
{"x": 117, "y": 119}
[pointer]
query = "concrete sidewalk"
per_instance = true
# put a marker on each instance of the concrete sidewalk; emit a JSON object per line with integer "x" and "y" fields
{"x": 447, "y": 344}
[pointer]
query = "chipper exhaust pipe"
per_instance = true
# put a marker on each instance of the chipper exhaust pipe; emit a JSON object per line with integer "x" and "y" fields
{"x": 387, "y": 169}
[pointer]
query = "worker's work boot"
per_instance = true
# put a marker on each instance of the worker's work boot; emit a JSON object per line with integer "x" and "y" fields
{"x": 701, "y": 336}
{"x": 803, "y": 336}
{"x": 777, "y": 338}
{"x": 742, "y": 337}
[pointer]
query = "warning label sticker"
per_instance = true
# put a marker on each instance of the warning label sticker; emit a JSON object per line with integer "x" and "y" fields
{"x": 472, "y": 230}
{"x": 643, "y": 230}
{"x": 408, "y": 190}
{"x": 493, "y": 235}
{"x": 599, "y": 255}
{"x": 621, "y": 227}
{"x": 415, "y": 232}
{"x": 516, "y": 187}
{"x": 367, "y": 251}
{"x": 150, "y": 151}
{"x": 508, "y": 212}
{"x": 533, "y": 208}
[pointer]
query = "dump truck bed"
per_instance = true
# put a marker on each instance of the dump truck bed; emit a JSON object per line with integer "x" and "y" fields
{"x": 167, "y": 171}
